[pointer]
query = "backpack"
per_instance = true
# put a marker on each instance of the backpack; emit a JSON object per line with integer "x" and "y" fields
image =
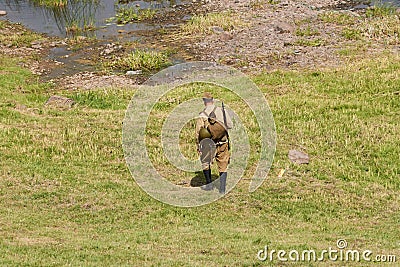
{"x": 216, "y": 128}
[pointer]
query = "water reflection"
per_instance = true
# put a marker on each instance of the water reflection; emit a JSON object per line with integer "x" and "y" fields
{"x": 77, "y": 17}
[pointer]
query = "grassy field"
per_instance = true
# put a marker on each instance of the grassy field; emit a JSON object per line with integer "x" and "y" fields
{"x": 67, "y": 197}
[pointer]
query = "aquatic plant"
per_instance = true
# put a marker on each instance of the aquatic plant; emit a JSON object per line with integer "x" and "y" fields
{"x": 130, "y": 14}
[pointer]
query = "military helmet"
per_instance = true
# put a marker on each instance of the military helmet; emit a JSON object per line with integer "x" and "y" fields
{"x": 204, "y": 133}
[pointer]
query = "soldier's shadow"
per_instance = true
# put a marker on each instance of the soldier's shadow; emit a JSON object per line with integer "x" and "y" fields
{"x": 200, "y": 180}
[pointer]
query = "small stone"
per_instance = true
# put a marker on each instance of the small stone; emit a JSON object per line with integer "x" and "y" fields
{"x": 298, "y": 157}
{"x": 20, "y": 107}
{"x": 226, "y": 37}
{"x": 60, "y": 101}
{"x": 283, "y": 27}
{"x": 217, "y": 29}
{"x": 37, "y": 46}
{"x": 134, "y": 72}
{"x": 107, "y": 51}
{"x": 3, "y": 12}
{"x": 36, "y": 42}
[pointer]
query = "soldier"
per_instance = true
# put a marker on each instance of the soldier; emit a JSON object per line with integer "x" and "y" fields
{"x": 214, "y": 122}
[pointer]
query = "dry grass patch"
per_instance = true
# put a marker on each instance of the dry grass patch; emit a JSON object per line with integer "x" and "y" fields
{"x": 203, "y": 24}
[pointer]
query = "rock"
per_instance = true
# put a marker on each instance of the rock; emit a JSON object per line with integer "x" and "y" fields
{"x": 298, "y": 157}
{"x": 37, "y": 46}
{"x": 226, "y": 37}
{"x": 283, "y": 27}
{"x": 134, "y": 72}
{"x": 20, "y": 107}
{"x": 107, "y": 51}
{"x": 3, "y": 12}
{"x": 110, "y": 48}
{"x": 60, "y": 101}
{"x": 217, "y": 29}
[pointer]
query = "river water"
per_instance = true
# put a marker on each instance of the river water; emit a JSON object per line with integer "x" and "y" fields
{"x": 53, "y": 21}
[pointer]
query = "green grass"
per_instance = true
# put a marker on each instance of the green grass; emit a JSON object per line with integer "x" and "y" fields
{"x": 308, "y": 31}
{"x": 203, "y": 24}
{"x": 68, "y": 198}
{"x": 19, "y": 37}
{"x": 351, "y": 34}
{"x": 2, "y": 24}
{"x": 139, "y": 60}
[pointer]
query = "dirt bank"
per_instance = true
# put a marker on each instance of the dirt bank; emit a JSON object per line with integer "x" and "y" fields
{"x": 285, "y": 34}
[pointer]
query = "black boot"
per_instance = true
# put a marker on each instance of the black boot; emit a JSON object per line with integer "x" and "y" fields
{"x": 208, "y": 186}
{"x": 222, "y": 182}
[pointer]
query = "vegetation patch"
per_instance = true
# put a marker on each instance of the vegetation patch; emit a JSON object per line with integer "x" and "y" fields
{"x": 51, "y": 3}
{"x": 131, "y": 14}
{"x": 337, "y": 17}
{"x": 385, "y": 29}
{"x": 107, "y": 98}
{"x": 257, "y": 4}
{"x": 16, "y": 36}
{"x": 381, "y": 22}
{"x": 308, "y": 31}
{"x": 202, "y": 24}
{"x": 140, "y": 60}
{"x": 351, "y": 33}
{"x": 380, "y": 9}
{"x": 310, "y": 42}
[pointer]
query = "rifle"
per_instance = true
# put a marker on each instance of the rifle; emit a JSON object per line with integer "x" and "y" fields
{"x": 226, "y": 125}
